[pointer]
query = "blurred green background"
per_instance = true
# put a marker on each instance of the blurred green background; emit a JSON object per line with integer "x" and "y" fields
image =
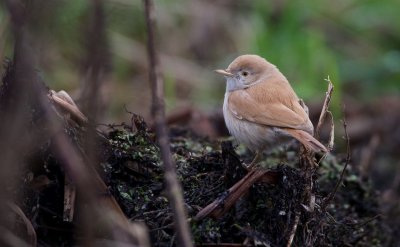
{"x": 355, "y": 42}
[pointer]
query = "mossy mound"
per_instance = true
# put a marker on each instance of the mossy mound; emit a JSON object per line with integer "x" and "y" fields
{"x": 265, "y": 215}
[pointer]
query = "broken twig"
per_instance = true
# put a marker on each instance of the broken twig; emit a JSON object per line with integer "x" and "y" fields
{"x": 325, "y": 108}
{"x": 331, "y": 195}
{"x": 332, "y": 133}
{"x": 223, "y": 203}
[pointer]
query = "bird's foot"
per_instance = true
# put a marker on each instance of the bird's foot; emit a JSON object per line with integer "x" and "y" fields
{"x": 248, "y": 167}
{"x": 253, "y": 163}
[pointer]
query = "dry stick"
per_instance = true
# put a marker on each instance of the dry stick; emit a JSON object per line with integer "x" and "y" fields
{"x": 332, "y": 133}
{"x": 29, "y": 227}
{"x": 158, "y": 113}
{"x": 294, "y": 229}
{"x": 223, "y": 203}
{"x": 331, "y": 195}
{"x": 325, "y": 108}
{"x": 308, "y": 159}
{"x": 95, "y": 61}
{"x": 69, "y": 199}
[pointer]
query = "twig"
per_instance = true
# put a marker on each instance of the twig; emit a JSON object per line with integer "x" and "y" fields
{"x": 308, "y": 197}
{"x": 325, "y": 108}
{"x": 327, "y": 200}
{"x": 158, "y": 113}
{"x": 69, "y": 199}
{"x": 359, "y": 224}
{"x": 331, "y": 195}
{"x": 96, "y": 61}
{"x": 332, "y": 133}
{"x": 29, "y": 228}
{"x": 294, "y": 229}
{"x": 307, "y": 161}
{"x": 158, "y": 211}
{"x": 223, "y": 203}
{"x": 170, "y": 225}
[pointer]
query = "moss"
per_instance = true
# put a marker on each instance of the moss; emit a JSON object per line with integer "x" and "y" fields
{"x": 266, "y": 213}
{"x": 132, "y": 169}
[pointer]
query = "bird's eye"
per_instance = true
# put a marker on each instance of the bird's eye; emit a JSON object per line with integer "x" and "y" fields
{"x": 245, "y": 73}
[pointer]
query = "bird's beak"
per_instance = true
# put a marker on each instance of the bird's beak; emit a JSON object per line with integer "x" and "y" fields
{"x": 224, "y": 72}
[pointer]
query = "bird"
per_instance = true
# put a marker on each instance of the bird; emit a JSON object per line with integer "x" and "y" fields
{"x": 261, "y": 108}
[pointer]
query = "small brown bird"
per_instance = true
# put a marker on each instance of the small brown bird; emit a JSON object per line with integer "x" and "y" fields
{"x": 261, "y": 108}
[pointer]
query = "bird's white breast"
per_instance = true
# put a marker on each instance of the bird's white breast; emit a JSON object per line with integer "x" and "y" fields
{"x": 254, "y": 136}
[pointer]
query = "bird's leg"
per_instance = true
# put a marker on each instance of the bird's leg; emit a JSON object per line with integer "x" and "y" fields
{"x": 254, "y": 161}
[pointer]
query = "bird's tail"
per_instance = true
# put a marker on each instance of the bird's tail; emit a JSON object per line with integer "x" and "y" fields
{"x": 307, "y": 140}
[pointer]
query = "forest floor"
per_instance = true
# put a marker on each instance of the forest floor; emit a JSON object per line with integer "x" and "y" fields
{"x": 265, "y": 215}
{"x": 279, "y": 202}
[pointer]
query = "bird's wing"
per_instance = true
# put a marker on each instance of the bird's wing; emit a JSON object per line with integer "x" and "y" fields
{"x": 268, "y": 111}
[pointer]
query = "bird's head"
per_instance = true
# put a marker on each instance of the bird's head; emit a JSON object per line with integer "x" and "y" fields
{"x": 245, "y": 71}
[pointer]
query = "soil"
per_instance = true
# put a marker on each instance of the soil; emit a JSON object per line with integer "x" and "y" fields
{"x": 130, "y": 165}
{"x": 132, "y": 169}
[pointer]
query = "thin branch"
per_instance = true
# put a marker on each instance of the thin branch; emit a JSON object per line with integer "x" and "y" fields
{"x": 332, "y": 133}
{"x": 294, "y": 229}
{"x": 29, "y": 227}
{"x": 158, "y": 113}
{"x": 222, "y": 204}
{"x": 69, "y": 199}
{"x": 331, "y": 196}
{"x": 325, "y": 108}
{"x": 96, "y": 61}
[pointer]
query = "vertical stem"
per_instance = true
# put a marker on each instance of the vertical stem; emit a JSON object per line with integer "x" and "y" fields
{"x": 325, "y": 108}
{"x": 94, "y": 69}
{"x": 20, "y": 93}
{"x": 158, "y": 112}
{"x": 96, "y": 60}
